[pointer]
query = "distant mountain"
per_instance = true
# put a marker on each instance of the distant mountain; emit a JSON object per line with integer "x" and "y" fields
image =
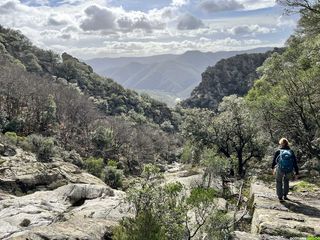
{"x": 173, "y": 74}
{"x": 234, "y": 75}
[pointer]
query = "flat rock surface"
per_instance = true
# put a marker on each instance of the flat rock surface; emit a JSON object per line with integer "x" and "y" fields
{"x": 74, "y": 211}
{"x": 249, "y": 236}
{"x": 23, "y": 174}
{"x": 297, "y": 217}
{"x": 189, "y": 178}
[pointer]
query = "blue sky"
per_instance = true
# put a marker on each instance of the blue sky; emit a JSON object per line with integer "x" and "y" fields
{"x": 113, "y": 28}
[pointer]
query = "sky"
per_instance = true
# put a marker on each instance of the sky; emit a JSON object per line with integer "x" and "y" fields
{"x": 117, "y": 28}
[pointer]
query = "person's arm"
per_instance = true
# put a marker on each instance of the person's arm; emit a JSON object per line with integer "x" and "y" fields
{"x": 295, "y": 164}
{"x": 274, "y": 162}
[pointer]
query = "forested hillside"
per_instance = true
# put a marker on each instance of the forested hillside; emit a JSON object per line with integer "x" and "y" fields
{"x": 55, "y": 106}
{"x": 234, "y": 75}
{"x": 111, "y": 97}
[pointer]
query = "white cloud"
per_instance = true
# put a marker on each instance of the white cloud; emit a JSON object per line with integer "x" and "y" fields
{"x": 98, "y": 28}
{"x": 179, "y": 3}
{"x": 189, "y": 22}
{"x": 115, "y": 48}
{"x": 286, "y": 21}
{"x": 250, "y": 29}
{"x": 257, "y": 4}
{"x": 212, "y": 6}
{"x": 98, "y": 19}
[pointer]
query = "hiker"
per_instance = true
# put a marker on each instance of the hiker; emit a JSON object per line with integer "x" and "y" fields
{"x": 284, "y": 162}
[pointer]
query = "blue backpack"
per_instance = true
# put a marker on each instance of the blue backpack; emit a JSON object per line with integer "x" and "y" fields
{"x": 285, "y": 160}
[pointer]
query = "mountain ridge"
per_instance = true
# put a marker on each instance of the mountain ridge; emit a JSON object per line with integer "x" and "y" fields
{"x": 152, "y": 72}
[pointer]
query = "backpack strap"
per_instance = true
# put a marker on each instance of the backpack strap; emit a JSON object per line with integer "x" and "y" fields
{"x": 279, "y": 155}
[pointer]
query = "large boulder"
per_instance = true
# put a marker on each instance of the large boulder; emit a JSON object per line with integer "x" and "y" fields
{"x": 74, "y": 211}
{"x": 237, "y": 235}
{"x": 22, "y": 174}
{"x": 298, "y": 217}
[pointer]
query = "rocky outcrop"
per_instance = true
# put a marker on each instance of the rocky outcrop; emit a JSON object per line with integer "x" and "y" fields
{"x": 22, "y": 173}
{"x": 74, "y": 211}
{"x": 297, "y": 217}
{"x": 234, "y": 75}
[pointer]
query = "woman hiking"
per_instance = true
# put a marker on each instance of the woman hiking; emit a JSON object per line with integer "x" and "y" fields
{"x": 283, "y": 164}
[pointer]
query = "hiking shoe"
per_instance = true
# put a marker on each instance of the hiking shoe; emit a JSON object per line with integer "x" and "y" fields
{"x": 286, "y": 198}
{"x": 281, "y": 200}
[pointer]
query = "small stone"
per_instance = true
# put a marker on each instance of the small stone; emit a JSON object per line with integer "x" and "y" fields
{"x": 25, "y": 222}
{"x": 314, "y": 173}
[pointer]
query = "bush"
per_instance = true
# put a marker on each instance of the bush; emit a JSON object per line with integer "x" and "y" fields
{"x": 94, "y": 166}
{"x": 12, "y": 137}
{"x": 74, "y": 158}
{"x": 43, "y": 147}
{"x": 113, "y": 177}
{"x": 102, "y": 138}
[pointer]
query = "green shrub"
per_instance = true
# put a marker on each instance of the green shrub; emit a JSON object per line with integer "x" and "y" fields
{"x": 102, "y": 138}
{"x": 12, "y": 137}
{"x": 43, "y": 147}
{"x": 112, "y": 163}
{"x": 113, "y": 177}
{"x": 94, "y": 166}
{"x": 74, "y": 158}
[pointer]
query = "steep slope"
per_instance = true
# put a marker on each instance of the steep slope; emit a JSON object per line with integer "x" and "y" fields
{"x": 174, "y": 74}
{"x": 111, "y": 97}
{"x": 233, "y": 75}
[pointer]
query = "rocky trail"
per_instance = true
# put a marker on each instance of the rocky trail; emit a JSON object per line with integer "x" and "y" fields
{"x": 296, "y": 218}
{"x": 57, "y": 200}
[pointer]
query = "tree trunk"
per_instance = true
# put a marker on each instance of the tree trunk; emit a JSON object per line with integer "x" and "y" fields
{"x": 240, "y": 165}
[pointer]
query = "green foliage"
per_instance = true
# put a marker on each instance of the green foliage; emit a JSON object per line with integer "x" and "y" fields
{"x": 303, "y": 186}
{"x": 187, "y": 153}
{"x": 218, "y": 227}
{"x": 102, "y": 138}
{"x": 145, "y": 226}
{"x": 94, "y": 166}
{"x": 73, "y": 157}
{"x": 286, "y": 98}
{"x": 232, "y": 131}
{"x": 45, "y": 94}
{"x": 167, "y": 209}
{"x": 44, "y": 147}
{"x": 201, "y": 195}
{"x": 215, "y": 165}
{"x": 12, "y": 136}
{"x": 50, "y": 112}
{"x": 112, "y": 163}
{"x": 113, "y": 177}
{"x": 234, "y": 75}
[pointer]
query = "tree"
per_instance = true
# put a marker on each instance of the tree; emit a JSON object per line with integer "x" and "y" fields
{"x": 310, "y": 14}
{"x": 236, "y": 132}
{"x": 287, "y": 94}
{"x": 310, "y": 5}
{"x": 232, "y": 131}
{"x": 215, "y": 166}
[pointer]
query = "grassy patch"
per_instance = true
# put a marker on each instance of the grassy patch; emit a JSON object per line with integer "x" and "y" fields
{"x": 304, "y": 186}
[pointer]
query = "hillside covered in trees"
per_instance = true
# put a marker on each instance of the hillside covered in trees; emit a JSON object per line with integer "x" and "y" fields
{"x": 111, "y": 97}
{"x": 51, "y": 104}
{"x": 234, "y": 75}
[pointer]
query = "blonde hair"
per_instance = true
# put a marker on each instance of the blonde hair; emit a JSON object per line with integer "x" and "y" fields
{"x": 284, "y": 142}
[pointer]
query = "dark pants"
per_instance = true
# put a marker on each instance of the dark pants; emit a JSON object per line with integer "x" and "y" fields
{"x": 282, "y": 183}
